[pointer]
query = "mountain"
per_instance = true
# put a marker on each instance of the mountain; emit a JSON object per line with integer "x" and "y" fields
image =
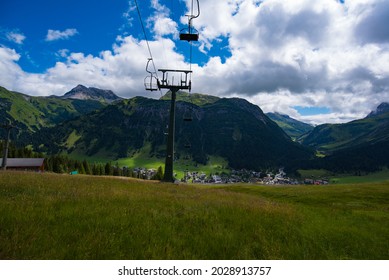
{"x": 33, "y": 113}
{"x": 103, "y": 126}
{"x": 292, "y": 127}
{"x": 331, "y": 137}
{"x": 81, "y": 92}
{"x": 198, "y": 99}
{"x": 360, "y": 145}
{"x": 381, "y": 109}
{"x": 231, "y": 128}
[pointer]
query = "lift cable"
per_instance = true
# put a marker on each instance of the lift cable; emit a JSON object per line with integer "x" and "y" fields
{"x": 147, "y": 41}
{"x": 190, "y": 29}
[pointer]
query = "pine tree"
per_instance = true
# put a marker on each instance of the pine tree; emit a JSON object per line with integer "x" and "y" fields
{"x": 108, "y": 169}
{"x": 86, "y": 167}
{"x": 159, "y": 174}
{"x": 101, "y": 169}
{"x": 82, "y": 169}
{"x": 95, "y": 169}
{"x": 117, "y": 171}
{"x": 57, "y": 164}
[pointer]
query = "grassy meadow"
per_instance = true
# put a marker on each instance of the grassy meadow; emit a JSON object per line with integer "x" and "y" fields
{"x": 373, "y": 177}
{"x": 51, "y": 216}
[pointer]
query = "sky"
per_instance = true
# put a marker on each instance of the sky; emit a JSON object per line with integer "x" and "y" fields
{"x": 322, "y": 61}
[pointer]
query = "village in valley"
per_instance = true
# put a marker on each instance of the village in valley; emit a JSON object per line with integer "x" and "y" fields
{"x": 236, "y": 176}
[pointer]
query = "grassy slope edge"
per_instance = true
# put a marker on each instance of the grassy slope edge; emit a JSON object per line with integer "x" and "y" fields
{"x": 49, "y": 216}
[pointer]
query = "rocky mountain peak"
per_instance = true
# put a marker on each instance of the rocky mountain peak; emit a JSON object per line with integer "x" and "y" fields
{"x": 84, "y": 93}
{"x": 381, "y": 109}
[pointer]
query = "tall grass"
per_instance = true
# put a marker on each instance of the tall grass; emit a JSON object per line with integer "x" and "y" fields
{"x": 47, "y": 216}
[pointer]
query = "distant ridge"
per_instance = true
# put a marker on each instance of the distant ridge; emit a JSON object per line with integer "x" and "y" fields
{"x": 292, "y": 127}
{"x": 333, "y": 137}
{"x": 354, "y": 146}
{"x": 381, "y": 109}
{"x": 81, "y": 92}
{"x": 198, "y": 99}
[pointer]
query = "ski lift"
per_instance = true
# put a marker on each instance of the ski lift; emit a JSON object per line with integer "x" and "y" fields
{"x": 190, "y": 33}
{"x": 184, "y": 82}
{"x": 187, "y": 157}
{"x": 151, "y": 81}
{"x": 187, "y": 145}
{"x": 187, "y": 116}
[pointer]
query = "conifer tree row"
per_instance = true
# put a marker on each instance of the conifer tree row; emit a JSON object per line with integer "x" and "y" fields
{"x": 64, "y": 164}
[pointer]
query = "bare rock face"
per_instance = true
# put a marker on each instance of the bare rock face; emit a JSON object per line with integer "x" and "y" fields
{"x": 381, "y": 109}
{"x": 83, "y": 93}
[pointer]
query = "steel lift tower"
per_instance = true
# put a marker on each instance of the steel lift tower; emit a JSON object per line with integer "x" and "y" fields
{"x": 164, "y": 83}
{"x": 153, "y": 83}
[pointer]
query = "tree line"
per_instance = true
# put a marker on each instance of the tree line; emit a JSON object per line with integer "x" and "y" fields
{"x": 64, "y": 164}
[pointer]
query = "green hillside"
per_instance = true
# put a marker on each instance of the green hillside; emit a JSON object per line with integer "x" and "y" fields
{"x": 33, "y": 113}
{"x": 332, "y": 137}
{"x": 231, "y": 128}
{"x": 84, "y": 217}
{"x": 16, "y": 106}
{"x": 194, "y": 98}
{"x": 354, "y": 147}
{"x": 292, "y": 127}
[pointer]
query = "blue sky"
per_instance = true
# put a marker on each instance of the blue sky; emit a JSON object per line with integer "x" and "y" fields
{"x": 85, "y": 26}
{"x": 96, "y": 25}
{"x": 318, "y": 61}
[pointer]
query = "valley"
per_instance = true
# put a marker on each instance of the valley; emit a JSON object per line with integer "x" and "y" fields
{"x": 223, "y": 134}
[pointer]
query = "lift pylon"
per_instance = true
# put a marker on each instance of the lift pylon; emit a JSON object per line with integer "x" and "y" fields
{"x": 152, "y": 82}
{"x": 165, "y": 83}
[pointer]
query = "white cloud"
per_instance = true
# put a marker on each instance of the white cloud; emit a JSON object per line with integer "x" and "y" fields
{"x": 53, "y": 35}
{"x": 160, "y": 22}
{"x": 63, "y": 53}
{"x": 282, "y": 54}
{"x": 122, "y": 69}
{"x": 307, "y": 49}
{"x": 9, "y": 68}
{"x": 16, "y": 37}
{"x": 127, "y": 15}
{"x": 164, "y": 26}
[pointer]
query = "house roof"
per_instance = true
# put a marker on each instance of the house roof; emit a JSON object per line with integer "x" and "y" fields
{"x": 23, "y": 162}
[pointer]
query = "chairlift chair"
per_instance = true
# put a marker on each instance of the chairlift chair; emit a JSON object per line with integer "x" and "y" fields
{"x": 188, "y": 146}
{"x": 190, "y": 33}
{"x": 166, "y": 83}
{"x": 187, "y": 117}
{"x": 151, "y": 81}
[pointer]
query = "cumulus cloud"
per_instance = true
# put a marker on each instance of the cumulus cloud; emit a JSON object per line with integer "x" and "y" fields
{"x": 54, "y": 35}
{"x": 372, "y": 28}
{"x": 16, "y": 37}
{"x": 316, "y": 51}
{"x": 160, "y": 21}
{"x": 121, "y": 69}
{"x": 281, "y": 54}
{"x": 8, "y": 67}
{"x": 163, "y": 26}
